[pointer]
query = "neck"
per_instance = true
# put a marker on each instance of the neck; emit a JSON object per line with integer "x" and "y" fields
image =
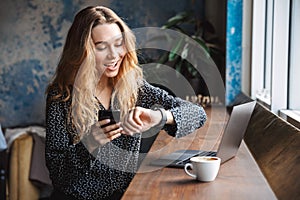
{"x": 103, "y": 83}
{"x": 103, "y": 92}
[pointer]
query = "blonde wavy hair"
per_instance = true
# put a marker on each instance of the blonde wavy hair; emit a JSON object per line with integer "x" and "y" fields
{"x": 76, "y": 76}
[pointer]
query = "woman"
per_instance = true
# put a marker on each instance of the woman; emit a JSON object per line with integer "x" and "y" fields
{"x": 98, "y": 70}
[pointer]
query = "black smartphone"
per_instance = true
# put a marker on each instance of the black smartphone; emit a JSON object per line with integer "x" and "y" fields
{"x": 113, "y": 115}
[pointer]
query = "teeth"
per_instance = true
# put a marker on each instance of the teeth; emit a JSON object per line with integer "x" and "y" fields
{"x": 110, "y": 64}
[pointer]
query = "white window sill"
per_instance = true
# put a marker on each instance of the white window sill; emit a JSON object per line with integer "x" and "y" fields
{"x": 265, "y": 100}
{"x": 292, "y": 116}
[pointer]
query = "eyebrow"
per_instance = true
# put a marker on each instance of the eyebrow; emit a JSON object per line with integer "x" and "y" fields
{"x": 100, "y": 42}
{"x": 105, "y": 42}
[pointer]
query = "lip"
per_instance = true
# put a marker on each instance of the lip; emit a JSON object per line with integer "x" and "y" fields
{"x": 111, "y": 65}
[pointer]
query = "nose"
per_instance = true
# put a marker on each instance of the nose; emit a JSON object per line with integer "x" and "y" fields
{"x": 112, "y": 53}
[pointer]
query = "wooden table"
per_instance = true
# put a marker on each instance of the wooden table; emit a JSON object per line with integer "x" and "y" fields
{"x": 238, "y": 178}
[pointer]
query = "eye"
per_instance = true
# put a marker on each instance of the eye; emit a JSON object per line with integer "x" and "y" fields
{"x": 119, "y": 43}
{"x": 101, "y": 47}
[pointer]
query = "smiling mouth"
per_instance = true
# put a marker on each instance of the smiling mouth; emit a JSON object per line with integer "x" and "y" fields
{"x": 111, "y": 65}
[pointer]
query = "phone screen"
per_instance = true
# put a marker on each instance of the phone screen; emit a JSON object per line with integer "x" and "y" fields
{"x": 113, "y": 115}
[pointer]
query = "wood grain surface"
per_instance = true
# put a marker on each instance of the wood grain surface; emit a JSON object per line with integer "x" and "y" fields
{"x": 238, "y": 178}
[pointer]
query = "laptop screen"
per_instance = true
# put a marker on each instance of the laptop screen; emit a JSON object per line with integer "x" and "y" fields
{"x": 229, "y": 145}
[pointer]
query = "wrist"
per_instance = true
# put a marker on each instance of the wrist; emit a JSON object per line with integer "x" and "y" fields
{"x": 163, "y": 119}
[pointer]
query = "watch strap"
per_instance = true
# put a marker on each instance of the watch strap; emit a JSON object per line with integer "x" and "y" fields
{"x": 163, "y": 120}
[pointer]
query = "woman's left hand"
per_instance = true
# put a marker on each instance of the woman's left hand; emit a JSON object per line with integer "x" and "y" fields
{"x": 139, "y": 120}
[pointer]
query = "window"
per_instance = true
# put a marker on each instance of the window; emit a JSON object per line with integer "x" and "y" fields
{"x": 294, "y": 73}
{"x": 275, "y": 56}
{"x": 268, "y": 47}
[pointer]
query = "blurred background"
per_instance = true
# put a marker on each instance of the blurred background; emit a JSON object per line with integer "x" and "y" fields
{"x": 33, "y": 32}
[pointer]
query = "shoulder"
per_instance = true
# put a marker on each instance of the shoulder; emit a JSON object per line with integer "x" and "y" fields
{"x": 52, "y": 90}
{"x": 55, "y": 93}
{"x": 147, "y": 88}
{"x": 156, "y": 88}
{"x": 145, "y": 85}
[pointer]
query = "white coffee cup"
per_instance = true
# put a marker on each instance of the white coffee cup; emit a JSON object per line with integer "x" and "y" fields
{"x": 205, "y": 168}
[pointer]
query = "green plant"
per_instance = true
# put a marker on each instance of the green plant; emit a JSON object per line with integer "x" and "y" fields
{"x": 201, "y": 31}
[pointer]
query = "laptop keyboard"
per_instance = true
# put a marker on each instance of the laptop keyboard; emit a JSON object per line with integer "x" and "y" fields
{"x": 202, "y": 153}
{"x": 179, "y": 158}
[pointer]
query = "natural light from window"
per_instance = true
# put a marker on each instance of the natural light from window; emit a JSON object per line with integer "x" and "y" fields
{"x": 275, "y": 59}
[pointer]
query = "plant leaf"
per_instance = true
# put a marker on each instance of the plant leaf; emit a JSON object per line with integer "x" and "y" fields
{"x": 164, "y": 58}
{"x": 177, "y": 19}
{"x": 202, "y": 43}
{"x": 174, "y": 52}
{"x": 178, "y": 65}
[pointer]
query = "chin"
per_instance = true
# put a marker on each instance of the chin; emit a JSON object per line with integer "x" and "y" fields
{"x": 112, "y": 74}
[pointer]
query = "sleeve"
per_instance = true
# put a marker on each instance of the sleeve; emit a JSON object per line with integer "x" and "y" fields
{"x": 60, "y": 153}
{"x": 187, "y": 116}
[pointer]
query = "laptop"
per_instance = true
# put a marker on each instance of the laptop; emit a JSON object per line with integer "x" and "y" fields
{"x": 229, "y": 145}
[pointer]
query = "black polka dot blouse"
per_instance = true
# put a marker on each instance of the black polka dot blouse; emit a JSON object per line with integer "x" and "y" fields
{"x": 76, "y": 172}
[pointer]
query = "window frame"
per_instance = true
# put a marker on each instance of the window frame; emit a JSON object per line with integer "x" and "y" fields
{"x": 275, "y": 63}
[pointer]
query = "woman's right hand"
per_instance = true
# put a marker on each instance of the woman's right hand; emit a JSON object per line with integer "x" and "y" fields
{"x": 99, "y": 136}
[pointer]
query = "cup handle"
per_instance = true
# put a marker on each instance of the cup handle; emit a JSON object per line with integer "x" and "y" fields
{"x": 187, "y": 171}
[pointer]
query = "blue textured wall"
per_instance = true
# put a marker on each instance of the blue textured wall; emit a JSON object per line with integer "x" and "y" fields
{"x": 32, "y": 35}
{"x": 233, "y": 49}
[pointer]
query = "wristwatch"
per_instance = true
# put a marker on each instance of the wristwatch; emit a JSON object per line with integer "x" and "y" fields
{"x": 163, "y": 120}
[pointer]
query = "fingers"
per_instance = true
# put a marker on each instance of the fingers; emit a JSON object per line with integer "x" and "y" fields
{"x": 100, "y": 136}
{"x": 113, "y": 131}
{"x": 103, "y": 122}
{"x": 111, "y": 127}
{"x": 114, "y": 134}
{"x": 137, "y": 112}
{"x": 132, "y": 122}
{"x": 135, "y": 121}
{"x": 108, "y": 133}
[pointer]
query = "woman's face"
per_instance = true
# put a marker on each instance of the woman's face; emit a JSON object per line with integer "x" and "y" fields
{"x": 109, "y": 49}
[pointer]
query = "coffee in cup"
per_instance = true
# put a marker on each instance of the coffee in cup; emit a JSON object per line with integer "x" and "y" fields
{"x": 204, "y": 168}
